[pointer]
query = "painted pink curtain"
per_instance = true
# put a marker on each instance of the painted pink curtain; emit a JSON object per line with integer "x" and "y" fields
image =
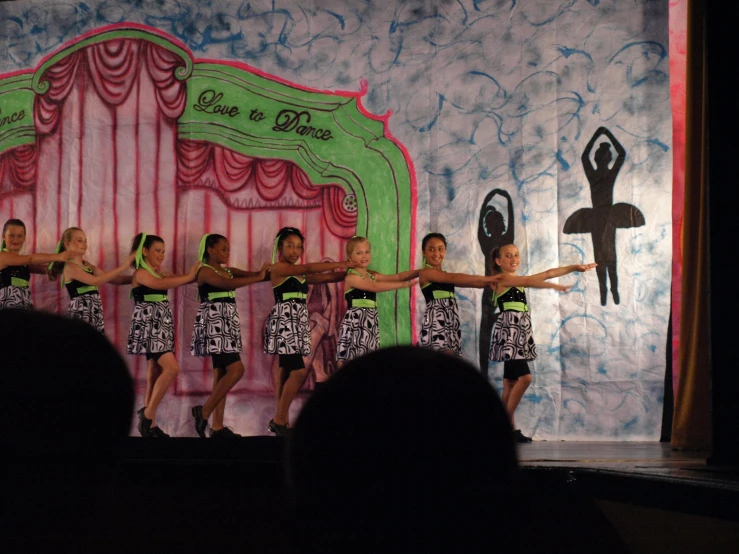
{"x": 104, "y": 161}
{"x": 249, "y": 200}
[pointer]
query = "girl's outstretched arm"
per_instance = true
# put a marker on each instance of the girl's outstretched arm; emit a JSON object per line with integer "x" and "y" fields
{"x": 532, "y": 281}
{"x": 143, "y": 277}
{"x": 236, "y": 272}
{"x": 404, "y": 276}
{"x": 458, "y": 279}
{"x": 356, "y": 282}
{"x": 10, "y": 259}
{"x": 284, "y": 269}
{"x": 319, "y": 278}
{"x": 207, "y": 275}
{"x": 97, "y": 277}
{"x": 564, "y": 270}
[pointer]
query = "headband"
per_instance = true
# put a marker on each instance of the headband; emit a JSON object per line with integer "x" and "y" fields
{"x": 201, "y": 248}
{"x": 59, "y": 246}
{"x": 139, "y": 262}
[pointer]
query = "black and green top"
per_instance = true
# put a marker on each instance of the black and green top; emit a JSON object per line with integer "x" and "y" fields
{"x": 436, "y": 291}
{"x": 357, "y": 298}
{"x": 16, "y": 276}
{"x": 143, "y": 293}
{"x": 216, "y": 294}
{"x": 77, "y": 288}
{"x": 513, "y": 299}
{"x": 293, "y": 289}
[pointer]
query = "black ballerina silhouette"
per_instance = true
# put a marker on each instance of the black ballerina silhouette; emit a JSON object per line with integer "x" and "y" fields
{"x": 493, "y": 231}
{"x": 602, "y": 220}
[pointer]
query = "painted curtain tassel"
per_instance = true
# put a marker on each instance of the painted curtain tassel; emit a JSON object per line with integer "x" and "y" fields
{"x": 602, "y": 220}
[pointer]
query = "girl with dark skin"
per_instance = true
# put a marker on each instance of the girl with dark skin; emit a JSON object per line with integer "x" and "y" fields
{"x": 440, "y": 329}
{"x": 287, "y": 332}
{"x": 217, "y": 331}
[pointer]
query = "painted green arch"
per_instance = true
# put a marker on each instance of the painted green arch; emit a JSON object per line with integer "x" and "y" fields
{"x": 250, "y": 113}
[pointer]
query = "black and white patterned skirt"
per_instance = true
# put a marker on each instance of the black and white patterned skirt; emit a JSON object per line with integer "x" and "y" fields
{"x": 512, "y": 338}
{"x": 217, "y": 329}
{"x": 441, "y": 328}
{"x": 359, "y": 333}
{"x": 286, "y": 330}
{"x": 88, "y": 308}
{"x": 15, "y": 297}
{"x": 152, "y": 328}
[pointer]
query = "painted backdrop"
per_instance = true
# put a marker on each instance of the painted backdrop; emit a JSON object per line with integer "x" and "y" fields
{"x": 547, "y": 124}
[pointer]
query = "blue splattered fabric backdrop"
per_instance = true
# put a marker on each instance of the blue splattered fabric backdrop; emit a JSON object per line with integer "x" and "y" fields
{"x": 496, "y": 102}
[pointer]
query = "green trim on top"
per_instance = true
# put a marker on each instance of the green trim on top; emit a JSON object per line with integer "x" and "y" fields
{"x": 290, "y": 277}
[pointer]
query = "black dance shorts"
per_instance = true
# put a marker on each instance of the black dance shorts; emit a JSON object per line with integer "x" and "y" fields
{"x": 513, "y": 369}
{"x": 222, "y": 361}
{"x": 291, "y": 362}
{"x": 156, "y": 355}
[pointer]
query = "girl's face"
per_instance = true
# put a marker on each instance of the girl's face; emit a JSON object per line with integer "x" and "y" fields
{"x": 509, "y": 259}
{"x": 361, "y": 255}
{"x": 14, "y": 237}
{"x": 77, "y": 244}
{"x": 292, "y": 249}
{"x": 219, "y": 252}
{"x": 154, "y": 256}
{"x": 435, "y": 251}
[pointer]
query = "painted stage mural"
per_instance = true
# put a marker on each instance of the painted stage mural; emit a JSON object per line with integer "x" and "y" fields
{"x": 545, "y": 124}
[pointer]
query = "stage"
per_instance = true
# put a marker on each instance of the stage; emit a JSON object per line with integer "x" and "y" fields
{"x": 657, "y": 499}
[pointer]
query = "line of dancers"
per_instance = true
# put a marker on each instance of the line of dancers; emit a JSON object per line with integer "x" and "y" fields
{"x": 217, "y": 331}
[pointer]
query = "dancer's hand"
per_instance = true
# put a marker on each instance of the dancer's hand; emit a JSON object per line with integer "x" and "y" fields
{"x": 409, "y": 284}
{"x": 266, "y": 268}
{"x": 562, "y": 288}
{"x": 130, "y": 259}
{"x": 584, "y": 267}
{"x": 193, "y": 271}
{"x": 346, "y": 264}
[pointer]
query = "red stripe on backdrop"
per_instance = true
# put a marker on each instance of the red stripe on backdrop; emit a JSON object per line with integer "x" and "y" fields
{"x": 250, "y": 305}
{"x": 156, "y": 171}
{"x": 136, "y": 155}
{"x": 116, "y": 237}
{"x": 59, "y": 183}
{"x": 81, "y": 162}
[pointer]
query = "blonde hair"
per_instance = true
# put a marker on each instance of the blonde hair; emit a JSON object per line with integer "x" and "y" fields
{"x": 353, "y": 242}
{"x": 57, "y": 267}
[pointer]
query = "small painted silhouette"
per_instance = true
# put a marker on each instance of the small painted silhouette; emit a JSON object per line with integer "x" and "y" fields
{"x": 493, "y": 231}
{"x": 602, "y": 220}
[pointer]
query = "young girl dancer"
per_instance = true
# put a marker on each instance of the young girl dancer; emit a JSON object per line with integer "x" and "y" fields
{"x": 217, "y": 331}
{"x": 16, "y": 268}
{"x": 152, "y": 330}
{"x": 287, "y": 333}
{"x": 512, "y": 340}
{"x": 441, "y": 329}
{"x": 359, "y": 332}
{"x": 82, "y": 279}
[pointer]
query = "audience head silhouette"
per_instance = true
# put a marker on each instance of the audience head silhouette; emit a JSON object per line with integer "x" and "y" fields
{"x": 68, "y": 408}
{"x": 404, "y": 449}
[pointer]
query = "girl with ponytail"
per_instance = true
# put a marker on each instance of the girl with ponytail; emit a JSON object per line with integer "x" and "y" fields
{"x": 82, "y": 279}
{"x": 217, "y": 331}
{"x": 152, "y": 325}
{"x": 16, "y": 268}
{"x": 287, "y": 333}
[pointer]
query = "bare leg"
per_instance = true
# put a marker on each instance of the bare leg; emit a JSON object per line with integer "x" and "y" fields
{"x": 289, "y": 391}
{"x": 170, "y": 369}
{"x": 153, "y": 371}
{"x": 234, "y": 372}
{"x": 217, "y": 424}
{"x": 515, "y": 394}
{"x": 279, "y": 376}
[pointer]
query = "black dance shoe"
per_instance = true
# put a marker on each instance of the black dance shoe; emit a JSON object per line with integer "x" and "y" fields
{"x": 518, "y": 436}
{"x": 277, "y": 429}
{"x": 157, "y": 433}
{"x": 144, "y": 424}
{"x": 225, "y": 433}
{"x": 200, "y": 422}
